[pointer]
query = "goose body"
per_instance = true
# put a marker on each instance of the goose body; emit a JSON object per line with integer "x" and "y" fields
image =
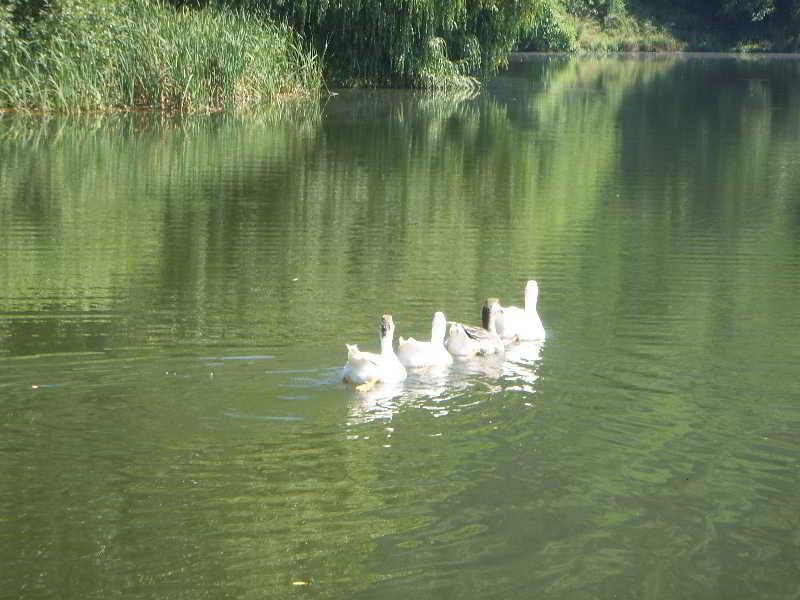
{"x": 415, "y": 354}
{"x": 466, "y": 340}
{"x": 522, "y": 323}
{"x": 365, "y": 369}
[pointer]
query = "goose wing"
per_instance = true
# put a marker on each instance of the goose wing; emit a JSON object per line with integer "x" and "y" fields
{"x": 361, "y": 366}
{"x": 366, "y": 357}
{"x": 479, "y": 334}
{"x": 485, "y": 341}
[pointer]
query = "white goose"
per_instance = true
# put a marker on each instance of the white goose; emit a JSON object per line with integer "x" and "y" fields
{"x": 523, "y": 324}
{"x": 365, "y": 369}
{"x": 465, "y": 340}
{"x": 413, "y": 353}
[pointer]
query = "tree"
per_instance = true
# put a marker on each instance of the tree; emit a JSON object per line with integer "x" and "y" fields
{"x": 402, "y": 42}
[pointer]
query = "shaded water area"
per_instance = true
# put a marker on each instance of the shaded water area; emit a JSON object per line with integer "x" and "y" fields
{"x": 175, "y": 296}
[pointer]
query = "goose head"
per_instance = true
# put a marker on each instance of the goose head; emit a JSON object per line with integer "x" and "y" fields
{"x": 438, "y": 328}
{"x": 489, "y": 312}
{"x": 531, "y": 294}
{"x": 386, "y": 328}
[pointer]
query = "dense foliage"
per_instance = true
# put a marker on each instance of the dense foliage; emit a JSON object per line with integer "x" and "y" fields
{"x": 420, "y": 43}
{"x": 86, "y": 55}
{"x": 101, "y": 53}
{"x": 735, "y": 12}
{"x": 696, "y": 24}
{"x": 207, "y": 54}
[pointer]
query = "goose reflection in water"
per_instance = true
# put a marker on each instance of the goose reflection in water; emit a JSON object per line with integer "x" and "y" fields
{"x": 521, "y": 364}
{"x": 383, "y": 401}
{"x": 379, "y": 403}
{"x": 433, "y": 388}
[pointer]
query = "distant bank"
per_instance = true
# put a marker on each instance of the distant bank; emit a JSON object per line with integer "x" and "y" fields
{"x": 689, "y": 25}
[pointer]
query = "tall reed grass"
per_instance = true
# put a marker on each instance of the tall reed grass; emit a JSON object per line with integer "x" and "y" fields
{"x": 142, "y": 53}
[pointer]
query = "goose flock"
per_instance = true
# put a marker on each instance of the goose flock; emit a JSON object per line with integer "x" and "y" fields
{"x": 500, "y": 326}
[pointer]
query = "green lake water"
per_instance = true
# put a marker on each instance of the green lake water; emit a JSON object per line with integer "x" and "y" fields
{"x": 176, "y": 294}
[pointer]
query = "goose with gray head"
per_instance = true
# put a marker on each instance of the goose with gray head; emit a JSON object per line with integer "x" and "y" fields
{"x": 522, "y": 323}
{"x": 415, "y": 354}
{"x": 366, "y": 369}
{"x": 467, "y": 340}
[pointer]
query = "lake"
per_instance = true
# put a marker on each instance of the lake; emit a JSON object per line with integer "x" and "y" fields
{"x": 176, "y": 294}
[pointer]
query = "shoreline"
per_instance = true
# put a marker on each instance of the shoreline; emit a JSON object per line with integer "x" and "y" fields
{"x": 296, "y": 97}
{"x": 521, "y": 56}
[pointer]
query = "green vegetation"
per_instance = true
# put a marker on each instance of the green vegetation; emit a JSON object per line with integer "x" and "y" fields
{"x": 85, "y": 55}
{"x": 425, "y": 43}
{"x": 648, "y": 25}
{"x": 203, "y": 55}
{"x": 68, "y": 55}
{"x": 624, "y": 33}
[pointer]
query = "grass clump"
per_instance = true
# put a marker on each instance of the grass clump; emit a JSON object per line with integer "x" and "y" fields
{"x": 85, "y": 55}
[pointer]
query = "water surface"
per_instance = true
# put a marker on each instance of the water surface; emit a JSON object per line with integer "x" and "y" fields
{"x": 175, "y": 296}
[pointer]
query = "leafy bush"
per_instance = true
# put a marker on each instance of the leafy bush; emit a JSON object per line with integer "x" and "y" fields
{"x": 551, "y": 30}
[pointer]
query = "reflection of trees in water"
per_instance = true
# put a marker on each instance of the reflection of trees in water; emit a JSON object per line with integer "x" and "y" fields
{"x": 191, "y": 224}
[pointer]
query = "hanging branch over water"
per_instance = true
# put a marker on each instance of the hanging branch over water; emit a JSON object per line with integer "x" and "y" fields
{"x": 418, "y": 43}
